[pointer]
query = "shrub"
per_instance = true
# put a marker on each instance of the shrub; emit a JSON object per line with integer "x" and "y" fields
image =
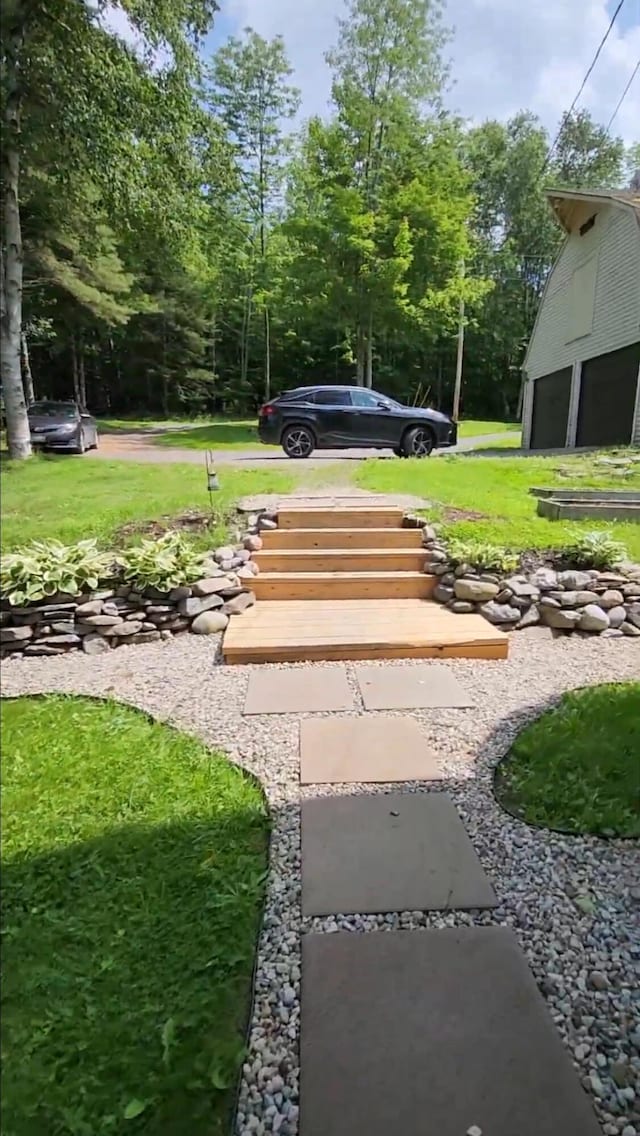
{"x": 163, "y": 563}
{"x": 595, "y": 549}
{"x": 485, "y": 557}
{"x": 47, "y": 567}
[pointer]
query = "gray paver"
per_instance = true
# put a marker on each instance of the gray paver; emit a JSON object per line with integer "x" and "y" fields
{"x": 417, "y": 687}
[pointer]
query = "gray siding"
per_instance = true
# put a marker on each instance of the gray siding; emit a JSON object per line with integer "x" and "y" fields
{"x": 616, "y": 321}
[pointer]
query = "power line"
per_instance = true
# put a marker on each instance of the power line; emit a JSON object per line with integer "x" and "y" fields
{"x": 623, "y": 95}
{"x": 583, "y": 84}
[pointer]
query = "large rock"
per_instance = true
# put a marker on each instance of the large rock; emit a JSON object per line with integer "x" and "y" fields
{"x": 125, "y": 629}
{"x": 65, "y": 641}
{"x": 462, "y": 607}
{"x": 564, "y": 619}
{"x": 575, "y": 581}
{"x": 576, "y": 599}
{"x": 529, "y": 619}
{"x": 630, "y": 629}
{"x": 633, "y": 614}
{"x": 209, "y": 622}
{"x": 239, "y": 604}
{"x": 610, "y": 598}
{"x": 210, "y": 586}
{"x": 248, "y": 571}
{"x": 143, "y": 637}
{"x": 181, "y": 592}
{"x": 442, "y": 594}
{"x": 102, "y": 620}
{"x": 545, "y": 579}
{"x": 520, "y": 586}
{"x": 478, "y": 591}
{"x": 252, "y": 542}
{"x": 617, "y": 615}
{"x": 194, "y": 605}
{"x": 593, "y": 618}
{"x": 500, "y": 613}
{"x": 95, "y": 644}
{"x": 43, "y": 649}
{"x": 63, "y": 627}
{"x": 266, "y": 524}
{"x": 225, "y": 552}
{"x": 15, "y": 634}
{"x": 92, "y": 607}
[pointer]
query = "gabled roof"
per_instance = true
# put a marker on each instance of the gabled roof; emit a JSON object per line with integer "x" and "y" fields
{"x": 569, "y": 205}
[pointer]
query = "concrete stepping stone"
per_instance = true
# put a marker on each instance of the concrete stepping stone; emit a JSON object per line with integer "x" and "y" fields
{"x": 421, "y": 687}
{"x": 380, "y": 748}
{"x": 384, "y": 852}
{"x": 431, "y": 1032}
{"x": 298, "y": 690}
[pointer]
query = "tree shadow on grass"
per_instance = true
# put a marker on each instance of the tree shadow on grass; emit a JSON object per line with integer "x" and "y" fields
{"x": 215, "y": 434}
{"x": 128, "y": 964}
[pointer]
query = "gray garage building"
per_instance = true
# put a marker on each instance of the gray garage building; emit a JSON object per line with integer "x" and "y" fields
{"x": 582, "y": 367}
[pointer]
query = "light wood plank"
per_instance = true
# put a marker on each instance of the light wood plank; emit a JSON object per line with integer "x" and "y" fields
{"x": 381, "y": 516}
{"x": 341, "y": 538}
{"x": 342, "y": 585}
{"x": 341, "y": 559}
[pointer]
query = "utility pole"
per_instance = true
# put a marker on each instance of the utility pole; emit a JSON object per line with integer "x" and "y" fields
{"x": 458, "y": 385}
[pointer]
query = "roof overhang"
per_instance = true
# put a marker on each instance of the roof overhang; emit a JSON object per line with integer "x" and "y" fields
{"x": 573, "y": 207}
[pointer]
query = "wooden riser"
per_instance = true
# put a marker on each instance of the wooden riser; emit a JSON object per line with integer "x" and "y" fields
{"x": 371, "y": 517}
{"x": 297, "y": 631}
{"x": 342, "y": 585}
{"x": 341, "y": 560}
{"x": 341, "y": 538}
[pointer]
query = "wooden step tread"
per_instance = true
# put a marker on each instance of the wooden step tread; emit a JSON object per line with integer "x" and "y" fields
{"x": 342, "y": 585}
{"x": 365, "y": 516}
{"x": 295, "y": 631}
{"x": 340, "y": 559}
{"x": 381, "y": 538}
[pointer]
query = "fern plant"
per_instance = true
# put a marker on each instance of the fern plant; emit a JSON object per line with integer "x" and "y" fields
{"x": 46, "y": 567}
{"x": 484, "y": 557}
{"x": 595, "y": 549}
{"x": 163, "y": 563}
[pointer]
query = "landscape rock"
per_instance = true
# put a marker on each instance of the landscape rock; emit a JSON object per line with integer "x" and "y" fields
{"x": 224, "y": 553}
{"x": 210, "y": 586}
{"x": 194, "y": 605}
{"x": 252, "y": 543}
{"x": 63, "y": 627}
{"x": 442, "y": 594}
{"x": 91, "y": 607}
{"x": 545, "y": 579}
{"x": 577, "y": 599}
{"x": 143, "y": 637}
{"x": 123, "y": 630}
{"x": 563, "y": 619}
{"x": 617, "y": 615}
{"x": 530, "y": 618}
{"x": 593, "y": 618}
{"x": 182, "y": 592}
{"x": 95, "y": 644}
{"x": 15, "y": 634}
{"x": 630, "y": 629}
{"x": 102, "y": 620}
{"x": 610, "y": 598}
{"x": 209, "y": 622}
{"x": 239, "y": 604}
{"x": 575, "y": 581}
{"x": 633, "y": 614}
{"x": 479, "y": 591}
{"x": 44, "y": 649}
{"x": 247, "y": 572}
{"x": 266, "y": 524}
{"x": 612, "y": 633}
{"x": 462, "y": 607}
{"x": 500, "y": 613}
{"x": 520, "y": 586}
{"x": 63, "y": 641}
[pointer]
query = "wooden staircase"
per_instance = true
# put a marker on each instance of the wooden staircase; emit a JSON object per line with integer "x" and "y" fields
{"x": 349, "y": 583}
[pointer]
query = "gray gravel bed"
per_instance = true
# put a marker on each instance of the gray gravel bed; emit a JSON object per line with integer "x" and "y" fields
{"x": 573, "y": 902}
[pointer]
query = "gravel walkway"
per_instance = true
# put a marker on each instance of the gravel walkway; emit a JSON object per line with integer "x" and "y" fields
{"x": 573, "y": 902}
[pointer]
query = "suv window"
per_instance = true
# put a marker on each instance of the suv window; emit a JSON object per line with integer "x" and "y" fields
{"x": 332, "y": 398}
{"x": 365, "y": 398}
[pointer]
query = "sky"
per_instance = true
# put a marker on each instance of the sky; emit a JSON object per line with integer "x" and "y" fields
{"x": 506, "y": 55}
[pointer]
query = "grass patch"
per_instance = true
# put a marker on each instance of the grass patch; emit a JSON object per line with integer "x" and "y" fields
{"x": 237, "y": 434}
{"x": 476, "y": 427}
{"x": 54, "y": 497}
{"x": 509, "y": 442}
{"x": 576, "y": 768}
{"x": 133, "y": 872}
{"x": 496, "y": 492}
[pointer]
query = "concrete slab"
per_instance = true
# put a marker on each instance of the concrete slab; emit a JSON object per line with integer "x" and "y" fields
{"x": 298, "y": 690}
{"x": 388, "y": 852}
{"x": 419, "y": 687}
{"x": 425, "y": 1032}
{"x": 381, "y": 748}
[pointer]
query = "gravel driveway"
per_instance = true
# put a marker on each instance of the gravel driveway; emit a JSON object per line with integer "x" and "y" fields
{"x": 143, "y": 447}
{"x": 573, "y": 902}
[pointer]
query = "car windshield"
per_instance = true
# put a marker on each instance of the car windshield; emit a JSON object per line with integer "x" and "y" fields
{"x": 52, "y": 410}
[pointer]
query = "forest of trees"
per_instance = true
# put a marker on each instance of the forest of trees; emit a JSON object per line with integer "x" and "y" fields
{"x": 176, "y": 240}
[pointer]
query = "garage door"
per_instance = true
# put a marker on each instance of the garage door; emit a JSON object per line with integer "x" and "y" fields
{"x": 608, "y": 398}
{"x": 551, "y": 394}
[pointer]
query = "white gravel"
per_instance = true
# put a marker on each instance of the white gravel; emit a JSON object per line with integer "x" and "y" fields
{"x": 573, "y": 902}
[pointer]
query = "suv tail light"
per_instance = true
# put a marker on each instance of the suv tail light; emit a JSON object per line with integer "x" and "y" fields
{"x": 266, "y": 410}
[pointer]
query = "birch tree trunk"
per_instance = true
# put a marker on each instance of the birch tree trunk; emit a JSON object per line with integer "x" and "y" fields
{"x": 267, "y": 356}
{"x": 18, "y": 433}
{"x": 27, "y": 377}
{"x": 369, "y": 374}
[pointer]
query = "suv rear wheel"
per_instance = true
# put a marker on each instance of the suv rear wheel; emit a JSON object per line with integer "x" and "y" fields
{"x": 298, "y": 442}
{"x": 418, "y": 442}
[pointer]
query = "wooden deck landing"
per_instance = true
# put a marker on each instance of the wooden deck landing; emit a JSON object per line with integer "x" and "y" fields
{"x": 299, "y": 630}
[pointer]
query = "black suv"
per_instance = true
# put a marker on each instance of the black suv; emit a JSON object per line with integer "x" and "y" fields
{"x": 338, "y": 418}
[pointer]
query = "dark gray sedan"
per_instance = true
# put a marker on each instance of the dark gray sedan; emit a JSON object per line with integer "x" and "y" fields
{"x": 62, "y": 426}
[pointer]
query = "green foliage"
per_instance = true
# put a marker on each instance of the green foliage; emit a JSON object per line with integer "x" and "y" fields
{"x": 133, "y": 863}
{"x": 47, "y": 567}
{"x": 484, "y": 557}
{"x": 596, "y": 549}
{"x": 163, "y": 563}
{"x": 575, "y": 769}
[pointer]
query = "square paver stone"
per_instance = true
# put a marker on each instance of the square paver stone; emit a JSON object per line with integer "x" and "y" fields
{"x": 342, "y": 750}
{"x": 410, "y": 688}
{"x": 298, "y": 690}
{"x": 388, "y": 852}
{"x": 425, "y": 1032}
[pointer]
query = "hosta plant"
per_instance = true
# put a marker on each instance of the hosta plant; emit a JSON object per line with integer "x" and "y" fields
{"x": 46, "y": 567}
{"x": 596, "y": 549}
{"x": 162, "y": 563}
{"x": 484, "y": 557}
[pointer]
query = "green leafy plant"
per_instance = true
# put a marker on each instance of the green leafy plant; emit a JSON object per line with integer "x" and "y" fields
{"x": 162, "y": 563}
{"x": 485, "y": 557}
{"x": 596, "y": 549}
{"x": 46, "y": 567}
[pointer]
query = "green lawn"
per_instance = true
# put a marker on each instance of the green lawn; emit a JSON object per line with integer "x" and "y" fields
{"x": 134, "y": 862}
{"x": 476, "y": 427}
{"x": 487, "y": 499}
{"x": 576, "y": 768}
{"x": 59, "y": 497}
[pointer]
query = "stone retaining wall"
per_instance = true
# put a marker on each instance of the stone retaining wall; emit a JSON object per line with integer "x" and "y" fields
{"x": 603, "y": 603}
{"x": 99, "y": 621}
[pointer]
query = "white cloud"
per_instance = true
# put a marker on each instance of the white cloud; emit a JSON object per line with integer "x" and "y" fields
{"x": 506, "y": 55}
